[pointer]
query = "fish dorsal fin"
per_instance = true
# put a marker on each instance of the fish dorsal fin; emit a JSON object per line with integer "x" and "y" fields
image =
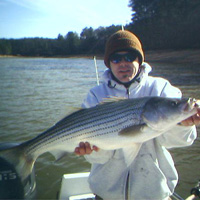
{"x": 131, "y": 152}
{"x": 74, "y": 109}
{"x": 112, "y": 99}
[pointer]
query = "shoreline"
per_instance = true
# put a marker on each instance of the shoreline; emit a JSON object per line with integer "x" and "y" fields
{"x": 163, "y": 56}
{"x": 191, "y": 56}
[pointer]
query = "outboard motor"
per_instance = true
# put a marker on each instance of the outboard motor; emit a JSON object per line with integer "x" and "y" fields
{"x": 11, "y": 185}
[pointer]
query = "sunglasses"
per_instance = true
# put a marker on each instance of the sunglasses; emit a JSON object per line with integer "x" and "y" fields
{"x": 128, "y": 57}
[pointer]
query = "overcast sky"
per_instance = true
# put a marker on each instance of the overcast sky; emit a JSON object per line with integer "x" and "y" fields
{"x": 48, "y": 18}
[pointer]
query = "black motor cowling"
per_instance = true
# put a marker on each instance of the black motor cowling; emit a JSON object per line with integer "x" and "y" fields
{"x": 11, "y": 185}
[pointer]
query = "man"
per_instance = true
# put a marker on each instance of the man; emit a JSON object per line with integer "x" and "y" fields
{"x": 152, "y": 174}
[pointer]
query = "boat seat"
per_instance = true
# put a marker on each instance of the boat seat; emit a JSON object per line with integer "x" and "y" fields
{"x": 75, "y": 187}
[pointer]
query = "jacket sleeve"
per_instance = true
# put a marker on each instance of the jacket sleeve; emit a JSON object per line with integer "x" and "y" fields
{"x": 179, "y": 136}
{"x": 100, "y": 157}
{"x": 161, "y": 87}
{"x": 90, "y": 101}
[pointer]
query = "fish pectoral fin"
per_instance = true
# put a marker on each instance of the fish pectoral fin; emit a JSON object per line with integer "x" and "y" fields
{"x": 131, "y": 152}
{"x": 133, "y": 130}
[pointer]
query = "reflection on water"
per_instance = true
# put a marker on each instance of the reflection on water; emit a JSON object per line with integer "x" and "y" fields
{"x": 37, "y": 92}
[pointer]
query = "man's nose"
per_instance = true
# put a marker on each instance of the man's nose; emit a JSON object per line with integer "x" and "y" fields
{"x": 123, "y": 62}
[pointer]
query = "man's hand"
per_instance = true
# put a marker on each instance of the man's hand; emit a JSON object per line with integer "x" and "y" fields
{"x": 85, "y": 149}
{"x": 193, "y": 120}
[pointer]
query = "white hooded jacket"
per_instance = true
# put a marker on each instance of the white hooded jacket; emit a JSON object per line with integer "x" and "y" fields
{"x": 151, "y": 175}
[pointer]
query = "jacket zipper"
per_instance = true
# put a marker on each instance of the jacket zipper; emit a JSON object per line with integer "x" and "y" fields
{"x": 127, "y": 187}
{"x": 127, "y": 179}
{"x": 128, "y": 92}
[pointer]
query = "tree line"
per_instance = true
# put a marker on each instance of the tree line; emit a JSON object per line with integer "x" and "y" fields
{"x": 167, "y": 24}
{"x": 160, "y": 24}
{"x": 90, "y": 41}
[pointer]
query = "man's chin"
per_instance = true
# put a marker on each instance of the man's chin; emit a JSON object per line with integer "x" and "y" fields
{"x": 125, "y": 79}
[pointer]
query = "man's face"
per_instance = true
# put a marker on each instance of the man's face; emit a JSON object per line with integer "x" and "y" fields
{"x": 124, "y": 65}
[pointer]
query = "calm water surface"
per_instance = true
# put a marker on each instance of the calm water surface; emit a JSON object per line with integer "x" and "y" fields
{"x": 37, "y": 92}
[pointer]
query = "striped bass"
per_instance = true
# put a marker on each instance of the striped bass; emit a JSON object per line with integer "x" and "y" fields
{"x": 117, "y": 124}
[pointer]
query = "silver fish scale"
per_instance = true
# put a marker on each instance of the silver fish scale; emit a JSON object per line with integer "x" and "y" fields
{"x": 104, "y": 119}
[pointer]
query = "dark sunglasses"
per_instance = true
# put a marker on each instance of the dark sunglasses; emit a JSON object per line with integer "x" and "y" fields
{"x": 128, "y": 57}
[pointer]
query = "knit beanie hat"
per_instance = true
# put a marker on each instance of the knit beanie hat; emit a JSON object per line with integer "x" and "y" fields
{"x": 123, "y": 41}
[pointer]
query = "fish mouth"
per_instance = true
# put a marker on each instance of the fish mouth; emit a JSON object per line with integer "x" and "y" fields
{"x": 191, "y": 104}
{"x": 197, "y": 103}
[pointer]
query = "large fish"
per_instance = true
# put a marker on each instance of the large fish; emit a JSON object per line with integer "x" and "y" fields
{"x": 112, "y": 125}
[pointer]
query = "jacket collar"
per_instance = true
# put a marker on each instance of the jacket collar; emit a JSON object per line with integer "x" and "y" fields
{"x": 145, "y": 70}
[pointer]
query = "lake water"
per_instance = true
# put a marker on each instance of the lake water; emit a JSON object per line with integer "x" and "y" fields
{"x": 38, "y": 92}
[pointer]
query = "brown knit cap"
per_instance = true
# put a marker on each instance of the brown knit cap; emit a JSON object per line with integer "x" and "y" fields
{"x": 122, "y": 41}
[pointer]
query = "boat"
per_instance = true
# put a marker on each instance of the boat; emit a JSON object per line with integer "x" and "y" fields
{"x": 76, "y": 187}
{"x": 73, "y": 186}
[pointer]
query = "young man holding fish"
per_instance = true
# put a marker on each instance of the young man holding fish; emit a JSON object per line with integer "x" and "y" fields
{"x": 151, "y": 174}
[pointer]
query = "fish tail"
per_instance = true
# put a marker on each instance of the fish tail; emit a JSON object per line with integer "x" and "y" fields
{"x": 15, "y": 171}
